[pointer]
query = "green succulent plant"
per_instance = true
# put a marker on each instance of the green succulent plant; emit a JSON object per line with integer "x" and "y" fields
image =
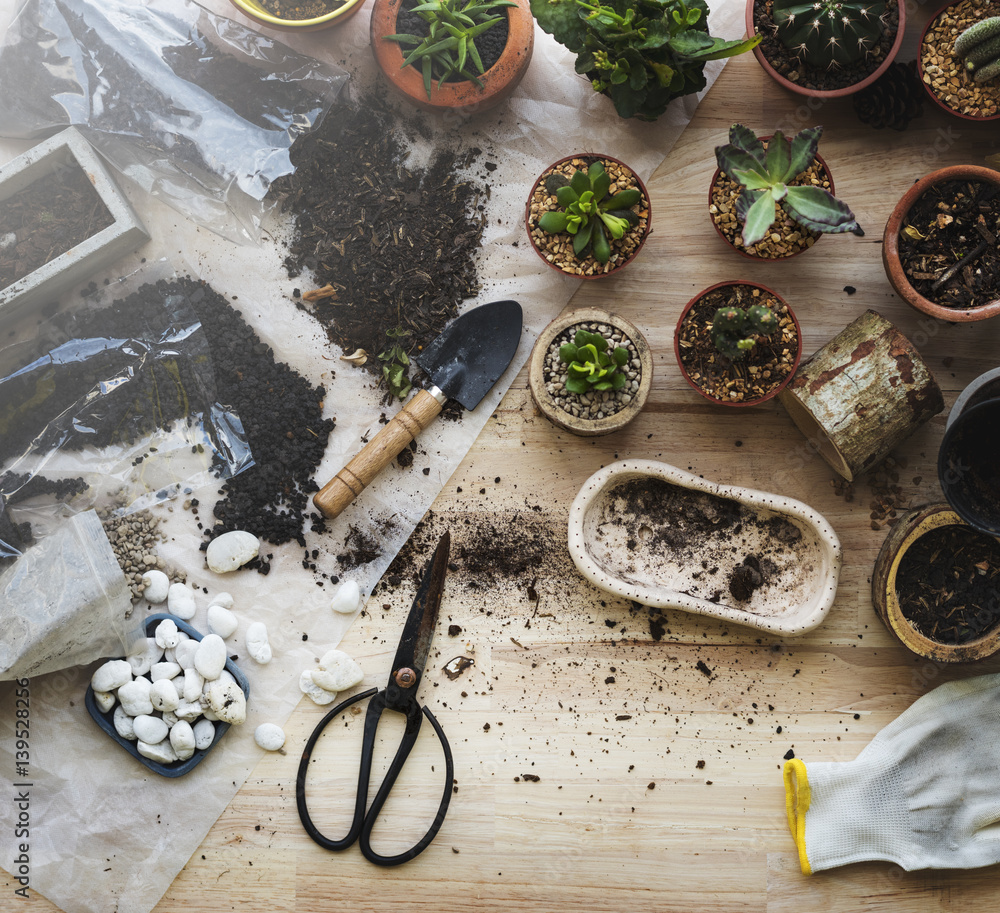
{"x": 641, "y": 53}
{"x": 979, "y": 47}
{"x": 590, "y": 366}
{"x": 766, "y": 175}
{"x": 829, "y": 33}
{"x": 734, "y": 329}
{"x": 449, "y": 45}
{"x": 588, "y": 213}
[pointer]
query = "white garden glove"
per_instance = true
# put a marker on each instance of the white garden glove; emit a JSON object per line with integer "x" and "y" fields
{"x": 924, "y": 793}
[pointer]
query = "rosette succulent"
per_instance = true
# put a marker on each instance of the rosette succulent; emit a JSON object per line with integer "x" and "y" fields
{"x": 590, "y": 366}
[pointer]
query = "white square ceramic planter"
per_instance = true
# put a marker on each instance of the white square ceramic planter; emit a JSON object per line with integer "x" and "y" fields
{"x": 68, "y": 149}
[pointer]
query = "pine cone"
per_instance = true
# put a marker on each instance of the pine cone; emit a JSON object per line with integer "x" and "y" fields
{"x": 893, "y": 100}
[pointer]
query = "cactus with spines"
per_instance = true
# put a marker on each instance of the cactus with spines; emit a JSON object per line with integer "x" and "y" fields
{"x": 734, "y": 330}
{"x": 829, "y": 33}
{"x": 979, "y": 47}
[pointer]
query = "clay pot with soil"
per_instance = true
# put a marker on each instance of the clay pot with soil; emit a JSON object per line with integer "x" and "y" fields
{"x": 969, "y": 466}
{"x": 943, "y": 62}
{"x": 936, "y": 586}
{"x": 620, "y": 387}
{"x": 652, "y": 533}
{"x": 941, "y": 246}
{"x": 298, "y": 15}
{"x": 588, "y": 215}
{"x": 739, "y": 362}
{"x": 504, "y": 50}
{"x": 835, "y": 48}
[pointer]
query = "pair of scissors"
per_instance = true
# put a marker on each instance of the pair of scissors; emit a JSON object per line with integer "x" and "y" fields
{"x": 400, "y": 695}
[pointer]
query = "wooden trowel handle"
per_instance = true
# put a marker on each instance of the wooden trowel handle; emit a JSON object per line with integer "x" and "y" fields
{"x": 379, "y": 452}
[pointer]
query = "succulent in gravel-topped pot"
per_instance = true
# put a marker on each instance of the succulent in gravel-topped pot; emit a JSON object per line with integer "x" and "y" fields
{"x": 590, "y": 372}
{"x": 778, "y": 190}
{"x": 588, "y": 215}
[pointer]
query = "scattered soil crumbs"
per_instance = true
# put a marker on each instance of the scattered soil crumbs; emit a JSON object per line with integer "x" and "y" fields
{"x": 948, "y": 584}
{"x": 47, "y": 219}
{"x": 949, "y": 246}
{"x": 888, "y": 498}
{"x": 391, "y": 245}
{"x": 16, "y": 488}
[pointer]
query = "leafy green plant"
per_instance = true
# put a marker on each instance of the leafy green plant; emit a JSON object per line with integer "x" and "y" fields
{"x": 979, "y": 47}
{"x": 734, "y": 329}
{"x": 449, "y": 45}
{"x": 590, "y": 366}
{"x": 396, "y": 364}
{"x": 588, "y": 213}
{"x": 641, "y": 53}
{"x": 766, "y": 175}
{"x": 829, "y": 33}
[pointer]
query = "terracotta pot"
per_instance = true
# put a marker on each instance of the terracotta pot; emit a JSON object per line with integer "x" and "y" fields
{"x": 908, "y": 529}
{"x": 740, "y": 250}
{"x": 252, "y": 9}
{"x": 831, "y": 93}
{"x": 927, "y": 88}
{"x": 544, "y": 400}
{"x": 708, "y": 396}
{"x": 463, "y": 97}
{"x": 890, "y": 246}
{"x": 530, "y": 223}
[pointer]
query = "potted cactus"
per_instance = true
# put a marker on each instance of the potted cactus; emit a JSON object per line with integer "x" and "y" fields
{"x": 826, "y": 48}
{"x": 588, "y": 215}
{"x": 772, "y": 198}
{"x": 958, "y": 60}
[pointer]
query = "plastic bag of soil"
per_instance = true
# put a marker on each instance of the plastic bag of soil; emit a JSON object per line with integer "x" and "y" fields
{"x": 199, "y": 110}
{"x": 114, "y": 405}
{"x": 65, "y": 603}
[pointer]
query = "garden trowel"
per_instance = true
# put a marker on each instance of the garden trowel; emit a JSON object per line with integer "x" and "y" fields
{"x": 463, "y": 364}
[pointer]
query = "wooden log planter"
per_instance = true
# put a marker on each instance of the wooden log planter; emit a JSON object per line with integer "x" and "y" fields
{"x": 861, "y": 395}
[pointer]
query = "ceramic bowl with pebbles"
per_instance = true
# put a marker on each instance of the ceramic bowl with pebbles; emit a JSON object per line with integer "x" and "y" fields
{"x": 595, "y": 412}
{"x": 167, "y": 704}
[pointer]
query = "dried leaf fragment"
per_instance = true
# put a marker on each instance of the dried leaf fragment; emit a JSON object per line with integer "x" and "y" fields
{"x": 318, "y": 294}
{"x": 358, "y": 357}
{"x": 455, "y": 667}
{"x": 911, "y": 233}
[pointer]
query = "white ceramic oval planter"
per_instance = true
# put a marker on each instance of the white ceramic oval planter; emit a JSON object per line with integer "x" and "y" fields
{"x": 623, "y": 551}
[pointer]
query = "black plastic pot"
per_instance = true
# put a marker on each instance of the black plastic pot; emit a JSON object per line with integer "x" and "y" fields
{"x": 969, "y": 466}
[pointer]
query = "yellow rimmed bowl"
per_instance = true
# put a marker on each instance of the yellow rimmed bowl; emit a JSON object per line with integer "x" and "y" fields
{"x": 256, "y": 11}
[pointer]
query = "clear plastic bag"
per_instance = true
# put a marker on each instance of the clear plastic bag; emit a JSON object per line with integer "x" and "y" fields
{"x": 199, "y": 110}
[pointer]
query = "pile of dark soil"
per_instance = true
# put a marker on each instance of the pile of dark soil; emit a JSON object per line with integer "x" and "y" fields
{"x": 300, "y": 9}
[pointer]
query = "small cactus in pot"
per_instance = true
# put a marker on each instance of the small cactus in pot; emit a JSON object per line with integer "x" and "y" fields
{"x": 979, "y": 47}
{"x": 735, "y": 331}
{"x": 830, "y": 33}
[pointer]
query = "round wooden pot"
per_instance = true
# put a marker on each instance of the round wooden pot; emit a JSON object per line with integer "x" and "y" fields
{"x": 694, "y": 386}
{"x": 969, "y": 466}
{"x": 546, "y": 403}
{"x": 831, "y": 93}
{"x": 861, "y": 395}
{"x": 531, "y": 219}
{"x": 925, "y": 78}
{"x": 742, "y": 251}
{"x": 252, "y": 9}
{"x": 909, "y": 528}
{"x": 890, "y": 245}
{"x": 462, "y": 97}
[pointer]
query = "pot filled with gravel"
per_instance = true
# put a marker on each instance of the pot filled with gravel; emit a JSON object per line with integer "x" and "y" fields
{"x": 590, "y": 372}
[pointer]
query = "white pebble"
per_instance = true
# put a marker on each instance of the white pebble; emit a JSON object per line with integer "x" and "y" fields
{"x": 269, "y": 737}
{"x": 231, "y": 550}
{"x": 337, "y": 671}
{"x": 180, "y": 601}
{"x": 227, "y": 701}
{"x": 166, "y": 634}
{"x": 161, "y": 751}
{"x": 188, "y": 710}
{"x": 225, "y": 600}
{"x": 163, "y": 695}
{"x": 149, "y": 729}
{"x": 347, "y": 599}
{"x": 134, "y": 697}
{"x": 184, "y": 653}
{"x": 105, "y": 700}
{"x": 123, "y": 724}
{"x": 194, "y": 681}
{"x": 313, "y": 691}
{"x": 210, "y": 657}
{"x": 257, "y": 643}
{"x": 182, "y": 740}
{"x": 144, "y": 654}
{"x": 157, "y": 586}
{"x": 111, "y": 676}
{"x": 221, "y": 621}
{"x": 170, "y": 718}
{"x": 204, "y": 734}
{"x": 164, "y": 670}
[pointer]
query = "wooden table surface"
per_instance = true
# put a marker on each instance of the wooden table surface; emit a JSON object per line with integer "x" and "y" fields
{"x": 657, "y": 748}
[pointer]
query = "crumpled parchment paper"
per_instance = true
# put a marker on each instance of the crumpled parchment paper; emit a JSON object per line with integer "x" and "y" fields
{"x": 107, "y": 834}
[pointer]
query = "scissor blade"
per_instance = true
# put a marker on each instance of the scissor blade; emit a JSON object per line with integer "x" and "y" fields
{"x": 415, "y": 644}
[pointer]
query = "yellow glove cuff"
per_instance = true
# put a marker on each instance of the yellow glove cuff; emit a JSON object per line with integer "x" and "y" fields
{"x": 797, "y": 799}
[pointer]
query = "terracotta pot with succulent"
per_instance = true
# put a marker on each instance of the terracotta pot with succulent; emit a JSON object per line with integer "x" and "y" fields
{"x": 737, "y": 343}
{"x": 642, "y": 54}
{"x": 826, "y": 48}
{"x": 590, "y": 372}
{"x": 941, "y": 246}
{"x": 958, "y": 59}
{"x": 772, "y": 198}
{"x": 588, "y": 215}
{"x": 453, "y": 55}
